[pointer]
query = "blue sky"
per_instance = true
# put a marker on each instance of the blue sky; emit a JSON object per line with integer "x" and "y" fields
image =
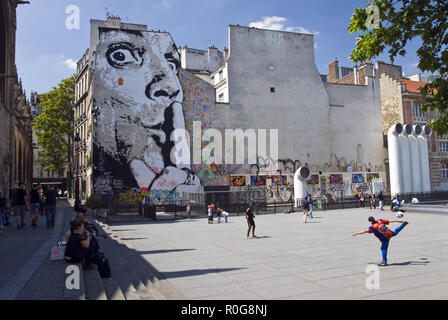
{"x": 46, "y": 49}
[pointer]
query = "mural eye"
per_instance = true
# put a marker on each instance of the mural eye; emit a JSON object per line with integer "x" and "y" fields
{"x": 120, "y": 55}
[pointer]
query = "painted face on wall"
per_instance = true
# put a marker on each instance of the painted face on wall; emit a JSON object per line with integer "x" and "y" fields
{"x": 139, "y": 99}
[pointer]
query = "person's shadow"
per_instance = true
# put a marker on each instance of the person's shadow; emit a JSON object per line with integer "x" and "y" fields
{"x": 423, "y": 261}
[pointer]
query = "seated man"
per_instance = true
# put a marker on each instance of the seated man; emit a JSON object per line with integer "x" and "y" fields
{"x": 79, "y": 247}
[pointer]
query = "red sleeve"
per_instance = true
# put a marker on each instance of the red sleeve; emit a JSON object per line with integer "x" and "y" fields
{"x": 386, "y": 221}
{"x": 368, "y": 231}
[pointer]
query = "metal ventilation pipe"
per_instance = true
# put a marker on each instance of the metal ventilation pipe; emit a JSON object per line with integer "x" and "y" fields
{"x": 424, "y": 158}
{"x": 406, "y": 171}
{"x": 395, "y": 159}
{"x": 415, "y": 159}
{"x": 300, "y": 191}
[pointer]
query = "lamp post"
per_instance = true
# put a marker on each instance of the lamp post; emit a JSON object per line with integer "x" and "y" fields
{"x": 77, "y": 141}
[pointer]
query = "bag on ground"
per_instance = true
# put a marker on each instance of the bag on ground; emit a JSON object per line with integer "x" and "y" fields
{"x": 103, "y": 267}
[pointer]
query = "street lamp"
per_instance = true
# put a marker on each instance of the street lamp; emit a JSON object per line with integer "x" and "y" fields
{"x": 77, "y": 141}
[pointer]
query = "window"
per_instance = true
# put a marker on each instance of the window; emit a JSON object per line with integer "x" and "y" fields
{"x": 221, "y": 97}
{"x": 444, "y": 171}
{"x": 272, "y": 90}
{"x": 442, "y": 146}
{"x": 418, "y": 111}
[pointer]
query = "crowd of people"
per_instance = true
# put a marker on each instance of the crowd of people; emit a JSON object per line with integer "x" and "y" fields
{"x": 373, "y": 200}
{"x": 40, "y": 202}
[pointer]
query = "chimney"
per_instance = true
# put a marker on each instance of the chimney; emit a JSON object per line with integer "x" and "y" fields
{"x": 333, "y": 71}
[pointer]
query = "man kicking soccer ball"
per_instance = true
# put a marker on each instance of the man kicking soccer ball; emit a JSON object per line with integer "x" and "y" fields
{"x": 379, "y": 229}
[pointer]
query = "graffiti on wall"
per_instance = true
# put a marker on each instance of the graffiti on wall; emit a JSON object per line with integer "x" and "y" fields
{"x": 358, "y": 178}
{"x": 237, "y": 181}
{"x": 371, "y": 176}
{"x": 279, "y": 180}
{"x": 335, "y": 179}
{"x": 314, "y": 179}
{"x": 258, "y": 180}
{"x": 137, "y": 106}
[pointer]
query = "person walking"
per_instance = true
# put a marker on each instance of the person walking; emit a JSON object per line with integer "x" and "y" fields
{"x": 372, "y": 201}
{"x": 50, "y": 206}
{"x": 188, "y": 210}
{"x": 210, "y": 214}
{"x": 306, "y": 209}
{"x": 362, "y": 200}
{"x": 34, "y": 204}
{"x": 250, "y": 218}
{"x": 310, "y": 204}
{"x": 20, "y": 205}
{"x": 381, "y": 200}
{"x": 383, "y": 233}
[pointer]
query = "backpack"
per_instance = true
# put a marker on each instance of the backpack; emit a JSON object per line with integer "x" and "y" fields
{"x": 103, "y": 266}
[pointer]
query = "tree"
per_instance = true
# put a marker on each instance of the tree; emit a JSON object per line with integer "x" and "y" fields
{"x": 54, "y": 127}
{"x": 393, "y": 24}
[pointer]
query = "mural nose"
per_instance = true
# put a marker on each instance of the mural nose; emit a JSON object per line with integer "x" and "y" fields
{"x": 160, "y": 87}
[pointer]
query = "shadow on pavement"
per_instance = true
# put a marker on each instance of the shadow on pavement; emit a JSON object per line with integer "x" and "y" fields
{"x": 196, "y": 272}
{"x": 163, "y": 251}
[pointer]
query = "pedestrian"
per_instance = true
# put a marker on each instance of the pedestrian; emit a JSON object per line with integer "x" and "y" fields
{"x": 34, "y": 204}
{"x": 188, "y": 210}
{"x": 41, "y": 202}
{"x": 20, "y": 205}
{"x": 372, "y": 201}
{"x": 79, "y": 248}
{"x": 383, "y": 233}
{"x": 310, "y": 204}
{"x": 395, "y": 207}
{"x": 381, "y": 200}
{"x": 223, "y": 213}
{"x": 250, "y": 217}
{"x": 210, "y": 214}
{"x": 306, "y": 209}
{"x": 50, "y": 206}
{"x": 3, "y": 214}
{"x": 218, "y": 214}
{"x": 361, "y": 200}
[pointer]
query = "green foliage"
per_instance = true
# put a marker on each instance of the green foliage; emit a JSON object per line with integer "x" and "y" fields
{"x": 96, "y": 201}
{"x": 54, "y": 127}
{"x": 130, "y": 198}
{"x": 401, "y": 21}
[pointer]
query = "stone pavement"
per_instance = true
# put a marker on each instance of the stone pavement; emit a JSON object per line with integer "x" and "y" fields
{"x": 293, "y": 260}
{"x": 26, "y": 271}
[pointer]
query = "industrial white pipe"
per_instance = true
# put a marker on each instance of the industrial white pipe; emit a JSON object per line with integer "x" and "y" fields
{"x": 415, "y": 159}
{"x": 300, "y": 190}
{"x": 406, "y": 171}
{"x": 395, "y": 159}
{"x": 424, "y": 158}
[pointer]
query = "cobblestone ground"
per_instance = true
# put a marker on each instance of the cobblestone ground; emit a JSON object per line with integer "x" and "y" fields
{"x": 293, "y": 260}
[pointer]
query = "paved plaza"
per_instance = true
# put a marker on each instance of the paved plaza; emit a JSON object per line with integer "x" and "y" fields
{"x": 293, "y": 260}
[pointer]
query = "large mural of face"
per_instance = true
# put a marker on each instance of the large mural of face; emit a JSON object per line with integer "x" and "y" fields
{"x": 138, "y": 102}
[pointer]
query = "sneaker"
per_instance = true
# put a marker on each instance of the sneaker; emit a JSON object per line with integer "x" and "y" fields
{"x": 405, "y": 223}
{"x": 383, "y": 264}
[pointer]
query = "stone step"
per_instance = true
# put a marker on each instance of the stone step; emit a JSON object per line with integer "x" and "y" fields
{"x": 94, "y": 285}
{"x": 157, "y": 286}
{"x": 112, "y": 289}
{"x": 119, "y": 269}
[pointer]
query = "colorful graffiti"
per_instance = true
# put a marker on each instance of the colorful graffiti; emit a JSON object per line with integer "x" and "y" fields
{"x": 258, "y": 180}
{"x": 279, "y": 180}
{"x": 335, "y": 179}
{"x": 237, "y": 181}
{"x": 314, "y": 179}
{"x": 371, "y": 176}
{"x": 357, "y": 178}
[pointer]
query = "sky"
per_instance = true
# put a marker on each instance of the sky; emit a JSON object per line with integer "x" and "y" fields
{"x": 46, "y": 50}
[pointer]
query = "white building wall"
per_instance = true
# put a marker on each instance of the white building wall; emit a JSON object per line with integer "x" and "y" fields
{"x": 299, "y": 107}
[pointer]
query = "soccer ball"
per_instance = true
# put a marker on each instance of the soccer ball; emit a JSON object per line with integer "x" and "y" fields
{"x": 399, "y": 215}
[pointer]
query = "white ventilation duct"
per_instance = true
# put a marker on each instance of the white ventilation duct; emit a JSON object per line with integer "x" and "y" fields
{"x": 406, "y": 171}
{"x": 424, "y": 158}
{"x": 415, "y": 159}
{"x": 300, "y": 190}
{"x": 395, "y": 158}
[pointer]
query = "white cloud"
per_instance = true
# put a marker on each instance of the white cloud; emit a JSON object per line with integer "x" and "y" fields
{"x": 415, "y": 65}
{"x": 167, "y": 3}
{"x": 70, "y": 63}
{"x": 278, "y": 24}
